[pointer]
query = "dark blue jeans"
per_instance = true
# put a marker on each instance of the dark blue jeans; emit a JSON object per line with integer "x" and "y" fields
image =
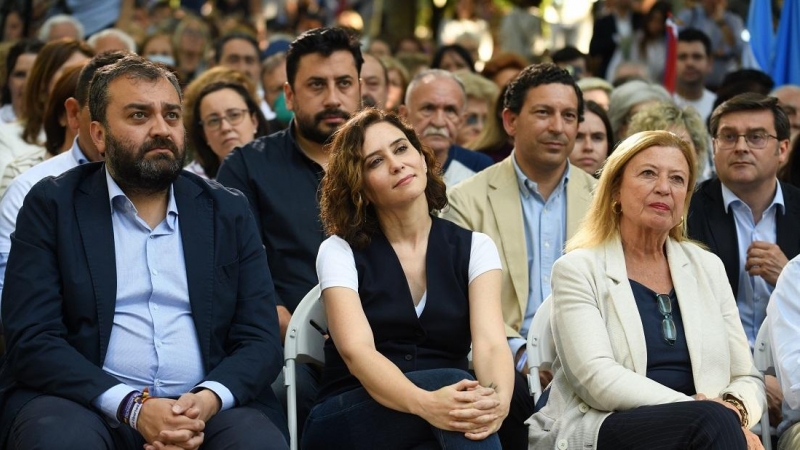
{"x": 353, "y": 421}
{"x": 54, "y": 423}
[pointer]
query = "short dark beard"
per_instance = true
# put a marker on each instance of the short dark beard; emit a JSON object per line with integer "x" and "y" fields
{"x": 137, "y": 174}
{"x": 309, "y": 127}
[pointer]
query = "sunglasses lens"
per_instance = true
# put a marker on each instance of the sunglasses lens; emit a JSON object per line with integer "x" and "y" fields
{"x": 664, "y": 304}
{"x": 668, "y": 329}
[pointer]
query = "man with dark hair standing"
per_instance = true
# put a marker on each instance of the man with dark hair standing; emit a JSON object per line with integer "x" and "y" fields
{"x": 280, "y": 173}
{"x": 746, "y": 216}
{"x": 529, "y": 204}
{"x": 694, "y": 62}
{"x": 138, "y": 303}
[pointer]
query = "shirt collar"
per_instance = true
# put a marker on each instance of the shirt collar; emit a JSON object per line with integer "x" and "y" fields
{"x": 114, "y": 191}
{"x": 728, "y": 197}
{"x": 528, "y": 186}
{"x": 77, "y": 153}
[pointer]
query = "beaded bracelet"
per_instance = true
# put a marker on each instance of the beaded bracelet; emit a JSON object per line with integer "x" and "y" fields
{"x": 739, "y": 407}
{"x": 131, "y": 406}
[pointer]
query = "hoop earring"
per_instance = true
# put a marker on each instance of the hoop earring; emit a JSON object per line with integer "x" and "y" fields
{"x": 614, "y": 208}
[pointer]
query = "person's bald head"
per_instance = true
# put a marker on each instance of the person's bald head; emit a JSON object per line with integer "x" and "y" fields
{"x": 788, "y": 97}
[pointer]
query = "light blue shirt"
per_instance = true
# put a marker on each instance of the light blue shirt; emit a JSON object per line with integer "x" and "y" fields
{"x": 153, "y": 341}
{"x": 545, "y": 225}
{"x": 754, "y": 291}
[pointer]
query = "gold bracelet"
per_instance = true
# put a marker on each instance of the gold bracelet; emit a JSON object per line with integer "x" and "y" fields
{"x": 739, "y": 407}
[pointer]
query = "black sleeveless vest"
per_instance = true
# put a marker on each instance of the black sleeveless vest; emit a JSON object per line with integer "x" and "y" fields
{"x": 440, "y": 337}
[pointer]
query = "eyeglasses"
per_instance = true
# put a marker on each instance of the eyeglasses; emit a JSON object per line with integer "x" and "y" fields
{"x": 756, "y": 140}
{"x": 668, "y": 330}
{"x": 474, "y": 119}
{"x": 233, "y": 116}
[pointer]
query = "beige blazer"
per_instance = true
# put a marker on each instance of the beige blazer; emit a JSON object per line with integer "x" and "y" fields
{"x": 602, "y": 359}
{"x": 489, "y": 202}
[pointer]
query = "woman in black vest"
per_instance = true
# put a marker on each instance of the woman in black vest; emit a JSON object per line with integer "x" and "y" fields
{"x": 405, "y": 294}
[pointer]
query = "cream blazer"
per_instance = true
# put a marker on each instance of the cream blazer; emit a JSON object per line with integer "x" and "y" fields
{"x": 489, "y": 202}
{"x": 602, "y": 359}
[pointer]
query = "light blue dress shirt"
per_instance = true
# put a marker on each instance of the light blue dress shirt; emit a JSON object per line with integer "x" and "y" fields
{"x": 545, "y": 225}
{"x": 153, "y": 341}
{"x": 754, "y": 291}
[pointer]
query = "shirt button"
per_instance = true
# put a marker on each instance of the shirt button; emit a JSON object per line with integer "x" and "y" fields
{"x": 409, "y": 357}
{"x": 584, "y": 408}
{"x": 154, "y": 272}
{"x": 547, "y": 244}
{"x": 152, "y": 236}
{"x": 562, "y": 444}
{"x": 155, "y": 307}
{"x": 158, "y": 382}
{"x": 158, "y": 344}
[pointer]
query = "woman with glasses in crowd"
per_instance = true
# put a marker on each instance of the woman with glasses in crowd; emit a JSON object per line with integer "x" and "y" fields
{"x": 651, "y": 351}
{"x": 225, "y": 117}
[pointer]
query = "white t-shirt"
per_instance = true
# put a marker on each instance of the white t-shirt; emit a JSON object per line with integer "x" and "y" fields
{"x": 336, "y": 266}
{"x": 704, "y": 105}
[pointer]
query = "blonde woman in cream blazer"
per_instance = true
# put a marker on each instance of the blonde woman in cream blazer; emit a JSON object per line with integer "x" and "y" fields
{"x": 602, "y": 396}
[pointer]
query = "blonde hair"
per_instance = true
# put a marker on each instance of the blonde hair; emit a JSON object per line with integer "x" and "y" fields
{"x": 666, "y": 115}
{"x": 601, "y": 223}
{"x": 477, "y": 86}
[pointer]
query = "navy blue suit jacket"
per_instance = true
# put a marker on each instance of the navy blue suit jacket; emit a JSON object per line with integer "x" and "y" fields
{"x": 710, "y": 224}
{"x": 60, "y": 293}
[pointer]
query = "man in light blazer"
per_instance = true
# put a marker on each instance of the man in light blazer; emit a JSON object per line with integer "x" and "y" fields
{"x": 531, "y": 202}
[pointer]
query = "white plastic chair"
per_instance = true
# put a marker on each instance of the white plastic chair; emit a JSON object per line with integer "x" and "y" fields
{"x": 541, "y": 347}
{"x": 304, "y": 344}
{"x": 762, "y": 357}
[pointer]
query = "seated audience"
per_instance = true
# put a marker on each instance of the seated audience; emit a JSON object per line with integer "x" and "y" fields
{"x": 398, "y": 82}
{"x": 225, "y": 117}
{"x": 50, "y": 62}
{"x": 644, "y": 321}
{"x": 597, "y": 90}
{"x": 61, "y": 26}
{"x": 434, "y": 106}
{"x": 594, "y": 141}
{"x": 374, "y": 82}
{"x": 693, "y": 63}
{"x": 573, "y": 61}
{"x": 405, "y": 293}
{"x": 60, "y": 133}
{"x": 157, "y": 47}
{"x": 19, "y": 62}
{"x": 481, "y": 94}
{"x": 683, "y": 121}
{"x": 493, "y": 139}
{"x": 628, "y": 99}
{"x": 273, "y": 77}
{"x": 790, "y": 172}
{"x": 451, "y": 58}
{"x": 119, "y": 241}
{"x": 111, "y": 40}
{"x": 788, "y": 97}
{"x": 503, "y": 68}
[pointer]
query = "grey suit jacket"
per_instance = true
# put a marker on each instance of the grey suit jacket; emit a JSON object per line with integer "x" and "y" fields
{"x": 601, "y": 365}
{"x": 489, "y": 202}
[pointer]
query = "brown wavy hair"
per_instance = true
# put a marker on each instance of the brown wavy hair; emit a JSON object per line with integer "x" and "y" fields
{"x": 343, "y": 207}
{"x": 52, "y": 56}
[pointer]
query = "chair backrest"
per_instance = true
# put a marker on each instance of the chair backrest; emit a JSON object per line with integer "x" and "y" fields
{"x": 305, "y": 336}
{"x": 541, "y": 346}
{"x": 762, "y": 354}
{"x": 762, "y": 358}
{"x": 305, "y": 340}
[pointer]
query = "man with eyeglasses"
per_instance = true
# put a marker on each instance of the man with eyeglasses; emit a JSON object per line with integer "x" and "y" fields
{"x": 434, "y": 106}
{"x": 746, "y": 216}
